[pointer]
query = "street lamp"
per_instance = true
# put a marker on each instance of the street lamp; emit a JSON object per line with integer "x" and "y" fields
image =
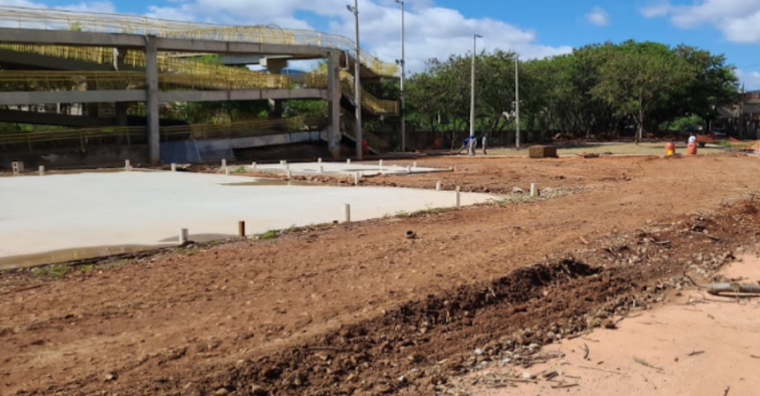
{"x": 401, "y": 62}
{"x": 517, "y": 104}
{"x": 471, "y": 149}
{"x": 357, "y": 83}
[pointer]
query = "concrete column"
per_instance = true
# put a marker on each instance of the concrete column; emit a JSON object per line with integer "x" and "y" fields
{"x": 151, "y": 74}
{"x": 275, "y": 66}
{"x": 333, "y": 92}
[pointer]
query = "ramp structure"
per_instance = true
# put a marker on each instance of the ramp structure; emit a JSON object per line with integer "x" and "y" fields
{"x": 113, "y": 62}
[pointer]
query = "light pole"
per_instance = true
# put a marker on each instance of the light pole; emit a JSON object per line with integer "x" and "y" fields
{"x": 471, "y": 148}
{"x": 401, "y": 63}
{"x": 357, "y": 83}
{"x": 517, "y": 104}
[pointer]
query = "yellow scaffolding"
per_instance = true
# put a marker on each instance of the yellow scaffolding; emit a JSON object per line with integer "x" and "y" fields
{"x": 37, "y": 18}
{"x": 24, "y": 80}
{"x": 369, "y": 101}
{"x": 84, "y": 137}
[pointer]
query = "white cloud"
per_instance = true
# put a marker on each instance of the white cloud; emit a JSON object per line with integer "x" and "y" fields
{"x": 750, "y": 79}
{"x": 739, "y": 20}
{"x": 431, "y": 31}
{"x": 598, "y": 17}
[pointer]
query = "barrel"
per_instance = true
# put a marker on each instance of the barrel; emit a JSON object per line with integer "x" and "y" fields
{"x": 670, "y": 148}
{"x": 691, "y": 149}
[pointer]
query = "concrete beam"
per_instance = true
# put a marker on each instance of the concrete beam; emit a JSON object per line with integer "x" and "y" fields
{"x": 31, "y": 117}
{"x": 27, "y": 61}
{"x": 238, "y": 60}
{"x": 41, "y": 97}
{"x": 96, "y": 39}
{"x": 229, "y": 47}
{"x": 65, "y": 37}
{"x": 242, "y": 94}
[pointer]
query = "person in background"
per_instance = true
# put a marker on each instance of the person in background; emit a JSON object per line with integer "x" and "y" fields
{"x": 484, "y": 145}
{"x": 692, "y": 138}
{"x": 365, "y": 146}
{"x": 466, "y": 144}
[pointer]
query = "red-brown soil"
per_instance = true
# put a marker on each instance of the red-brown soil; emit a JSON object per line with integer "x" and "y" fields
{"x": 350, "y": 309}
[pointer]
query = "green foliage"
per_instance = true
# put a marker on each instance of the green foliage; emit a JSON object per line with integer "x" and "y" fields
{"x": 305, "y": 107}
{"x": 271, "y": 234}
{"x": 638, "y": 78}
{"x": 596, "y": 89}
{"x": 56, "y": 271}
{"x": 682, "y": 123}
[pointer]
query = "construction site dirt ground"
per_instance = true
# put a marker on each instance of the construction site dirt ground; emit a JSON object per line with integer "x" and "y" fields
{"x": 361, "y": 309}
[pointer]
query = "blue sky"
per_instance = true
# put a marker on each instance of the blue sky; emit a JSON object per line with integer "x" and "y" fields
{"x": 437, "y": 28}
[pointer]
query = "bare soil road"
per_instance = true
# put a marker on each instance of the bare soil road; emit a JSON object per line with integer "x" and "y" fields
{"x": 358, "y": 308}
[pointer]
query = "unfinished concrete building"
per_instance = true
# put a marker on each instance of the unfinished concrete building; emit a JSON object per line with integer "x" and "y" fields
{"x": 88, "y": 73}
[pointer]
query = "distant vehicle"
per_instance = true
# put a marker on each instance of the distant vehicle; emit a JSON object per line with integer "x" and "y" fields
{"x": 695, "y": 128}
{"x": 719, "y": 133}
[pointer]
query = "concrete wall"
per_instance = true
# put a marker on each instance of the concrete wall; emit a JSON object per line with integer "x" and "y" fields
{"x": 93, "y": 157}
{"x": 217, "y": 149}
{"x": 281, "y": 146}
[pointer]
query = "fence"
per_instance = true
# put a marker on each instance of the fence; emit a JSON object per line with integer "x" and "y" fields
{"x": 82, "y": 138}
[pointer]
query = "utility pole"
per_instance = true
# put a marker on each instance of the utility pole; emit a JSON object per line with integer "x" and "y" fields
{"x": 471, "y": 148}
{"x": 402, "y": 63}
{"x": 357, "y": 83}
{"x": 517, "y": 103}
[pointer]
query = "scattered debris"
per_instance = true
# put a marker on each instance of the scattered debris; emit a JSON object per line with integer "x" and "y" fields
{"x": 646, "y": 364}
{"x": 586, "y": 352}
{"x": 718, "y": 288}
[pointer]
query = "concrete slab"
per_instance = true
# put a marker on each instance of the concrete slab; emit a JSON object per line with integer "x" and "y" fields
{"x": 72, "y": 211}
{"x": 343, "y": 168}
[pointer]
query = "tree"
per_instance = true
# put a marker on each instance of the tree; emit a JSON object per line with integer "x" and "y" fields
{"x": 639, "y": 77}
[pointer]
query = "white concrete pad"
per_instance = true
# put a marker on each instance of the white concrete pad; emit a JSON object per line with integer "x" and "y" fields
{"x": 342, "y": 168}
{"x": 42, "y": 214}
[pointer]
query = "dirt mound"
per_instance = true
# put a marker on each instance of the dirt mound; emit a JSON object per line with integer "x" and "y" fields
{"x": 311, "y": 314}
{"x": 416, "y": 348}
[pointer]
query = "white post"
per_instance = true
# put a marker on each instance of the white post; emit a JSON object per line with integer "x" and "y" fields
{"x": 253, "y": 165}
{"x": 414, "y": 164}
{"x": 319, "y": 160}
{"x": 347, "y": 213}
{"x": 174, "y": 167}
{"x": 438, "y": 185}
{"x": 321, "y": 169}
{"x": 224, "y": 163}
{"x": 532, "y": 189}
{"x": 42, "y": 170}
{"x": 183, "y": 236}
{"x": 356, "y": 178}
{"x": 227, "y": 170}
{"x": 381, "y": 163}
{"x": 408, "y": 169}
{"x": 459, "y": 197}
{"x": 283, "y": 162}
{"x": 127, "y": 166}
{"x": 287, "y": 167}
{"x": 348, "y": 161}
{"x": 289, "y": 174}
